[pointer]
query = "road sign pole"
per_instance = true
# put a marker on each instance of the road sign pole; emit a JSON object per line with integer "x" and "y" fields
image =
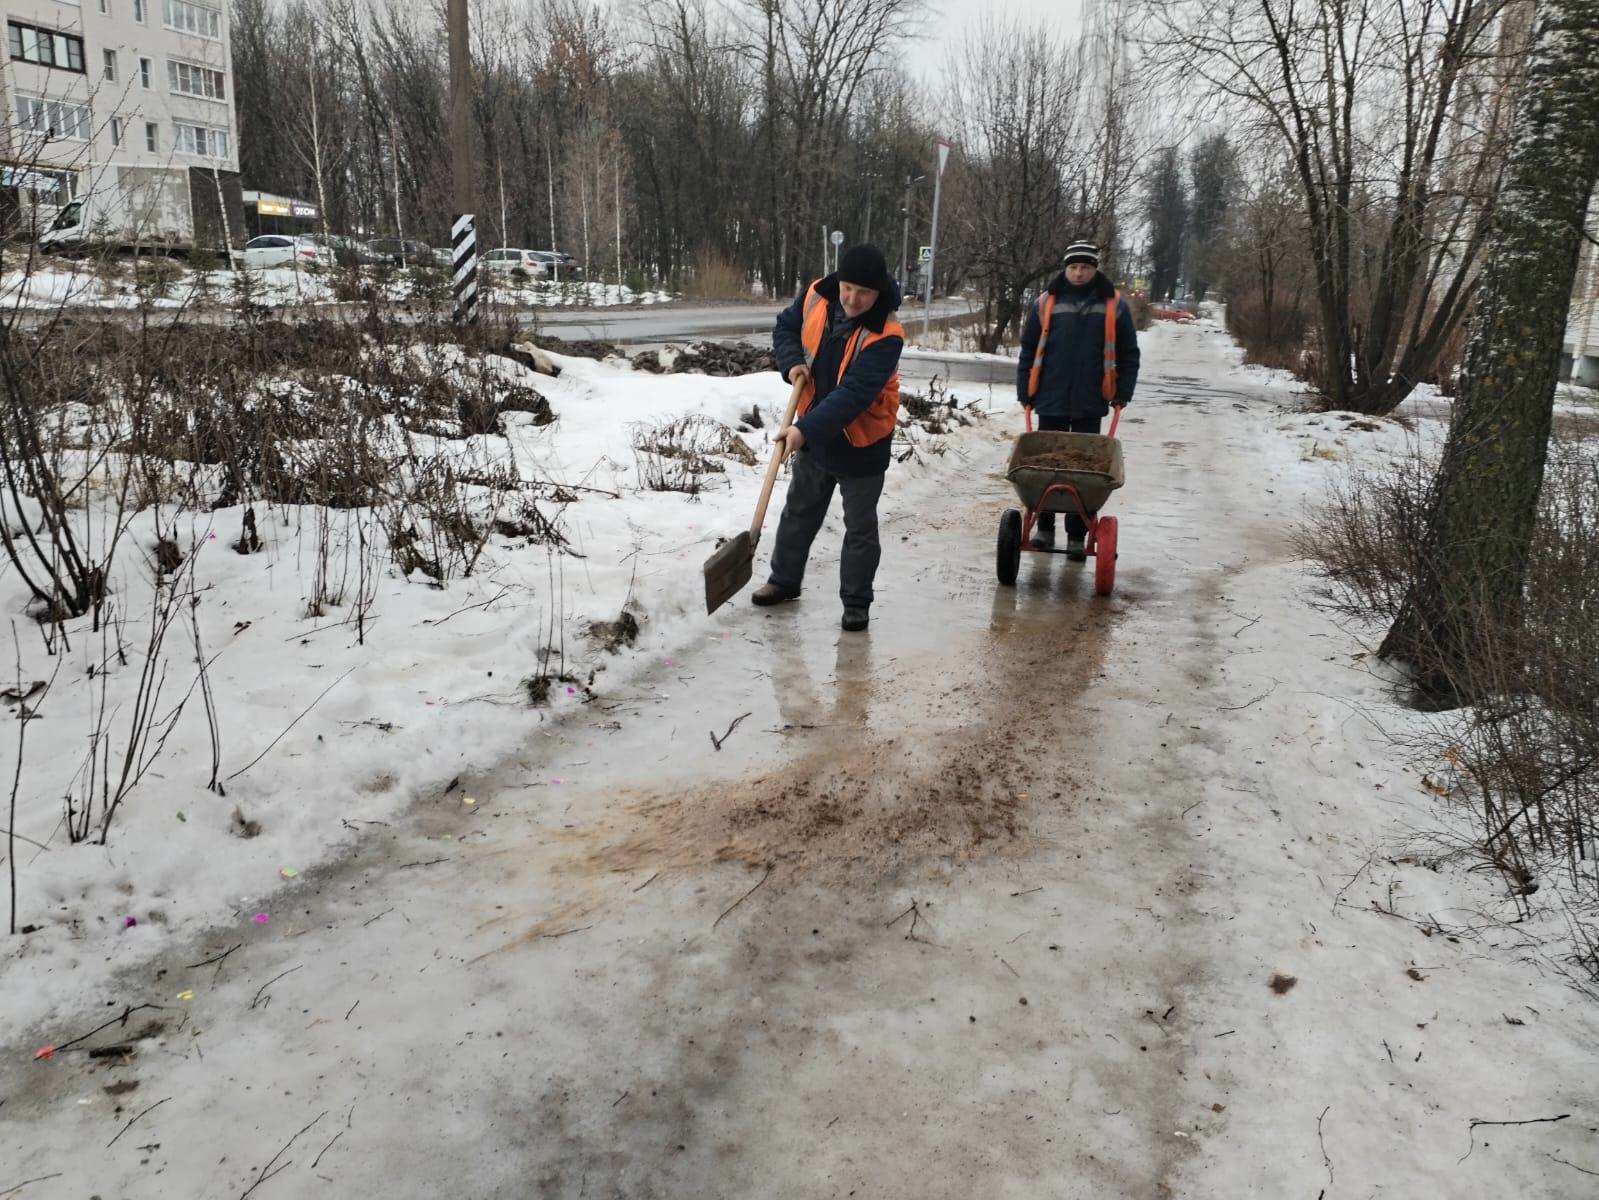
{"x": 938, "y": 188}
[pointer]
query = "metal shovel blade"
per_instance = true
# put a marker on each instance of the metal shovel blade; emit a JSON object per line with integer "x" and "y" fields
{"x": 728, "y": 570}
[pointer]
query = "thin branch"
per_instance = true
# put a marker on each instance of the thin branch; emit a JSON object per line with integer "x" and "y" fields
{"x": 292, "y": 724}
{"x": 129, "y": 1125}
{"x": 743, "y": 898}
{"x": 265, "y": 1175}
{"x": 269, "y": 983}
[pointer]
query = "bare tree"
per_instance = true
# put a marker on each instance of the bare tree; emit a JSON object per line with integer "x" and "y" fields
{"x": 1480, "y": 529}
{"x": 1391, "y": 116}
{"x": 1030, "y": 178}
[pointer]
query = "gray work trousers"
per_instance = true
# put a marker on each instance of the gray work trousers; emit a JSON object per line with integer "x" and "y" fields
{"x": 810, "y": 492}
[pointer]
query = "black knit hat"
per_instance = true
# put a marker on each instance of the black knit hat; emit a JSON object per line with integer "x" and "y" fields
{"x": 1082, "y": 252}
{"x": 866, "y": 267}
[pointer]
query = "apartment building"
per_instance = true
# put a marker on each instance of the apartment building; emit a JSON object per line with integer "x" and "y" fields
{"x": 1582, "y": 322}
{"x": 132, "y": 97}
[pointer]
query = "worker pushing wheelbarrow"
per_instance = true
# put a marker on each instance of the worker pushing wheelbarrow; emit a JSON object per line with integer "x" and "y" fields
{"x": 1069, "y": 473}
{"x": 1079, "y": 359}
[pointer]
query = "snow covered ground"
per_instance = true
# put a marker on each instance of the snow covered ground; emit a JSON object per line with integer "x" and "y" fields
{"x": 51, "y": 283}
{"x": 1023, "y": 893}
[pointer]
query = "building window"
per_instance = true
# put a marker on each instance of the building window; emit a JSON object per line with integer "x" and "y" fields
{"x": 46, "y": 47}
{"x": 116, "y": 131}
{"x": 188, "y": 17}
{"x": 44, "y": 187}
{"x": 152, "y": 137}
{"x": 110, "y": 66}
{"x": 144, "y": 72}
{"x": 188, "y": 79}
{"x": 138, "y": 11}
{"x": 54, "y": 118}
{"x": 200, "y": 140}
{"x": 105, "y": 6}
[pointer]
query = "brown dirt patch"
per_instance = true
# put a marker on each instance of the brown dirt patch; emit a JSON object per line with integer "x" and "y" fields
{"x": 1084, "y": 458}
{"x": 854, "y": 804}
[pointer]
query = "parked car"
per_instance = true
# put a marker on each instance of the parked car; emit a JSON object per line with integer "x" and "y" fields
{"x": 559, "y": 264}
{"x": 409, "y": 253}
{"x": 506, "y": 259}
{"x": 348, "y": 251}
{"x": 280, "y": 250}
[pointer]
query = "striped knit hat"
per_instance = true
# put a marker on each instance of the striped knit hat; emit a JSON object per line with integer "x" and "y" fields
{"x": 1082, "y": 252}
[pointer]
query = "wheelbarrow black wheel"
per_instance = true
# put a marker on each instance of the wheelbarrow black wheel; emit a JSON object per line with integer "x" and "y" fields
{"x": 1105, "y": 557}
{"x": 1008, "y": 558}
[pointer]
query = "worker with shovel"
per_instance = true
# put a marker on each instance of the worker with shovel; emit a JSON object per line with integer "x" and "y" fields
{"x": 839, "y": 346}
{"x": 1079, "y": 356}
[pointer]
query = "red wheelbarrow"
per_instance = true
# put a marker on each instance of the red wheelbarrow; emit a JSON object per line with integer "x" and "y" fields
{"x": 1063, "y": 473}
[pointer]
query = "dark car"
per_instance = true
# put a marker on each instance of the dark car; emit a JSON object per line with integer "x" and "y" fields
{"x": 561, "y": 265}
{"x": 407, "y": 253}
{"x": 349, "y": 251}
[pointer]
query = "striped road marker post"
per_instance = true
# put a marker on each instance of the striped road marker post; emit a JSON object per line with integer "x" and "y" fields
{"x": 463, "y": 257}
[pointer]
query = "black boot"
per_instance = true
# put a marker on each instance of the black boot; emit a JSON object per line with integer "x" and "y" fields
{"x": 769, "y": 594}
{"x": 1075, "y": 549}
{"x": 1044, "y": 532}
{"x": 855, "y": 620}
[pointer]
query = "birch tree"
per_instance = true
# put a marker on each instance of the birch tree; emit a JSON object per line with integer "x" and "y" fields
{"x": 1487, "y": 490}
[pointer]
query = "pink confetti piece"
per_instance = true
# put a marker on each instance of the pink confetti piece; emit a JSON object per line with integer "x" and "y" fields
{"x": 45, "y": 1052}
{"x": 129, "y": 922}
{"x": 668, "y": 662}
{"x": 571, "y": 691}
{"x": 261, "y": 918}
{"x": 555, "y": 781}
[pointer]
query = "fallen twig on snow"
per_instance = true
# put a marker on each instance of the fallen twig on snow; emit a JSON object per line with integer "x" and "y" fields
{"x": 1323, "y": 1142}
{"x": 292, "y": 724}
{"x": 36, "y": 1179}
{"x": 744, "y": 897}
{"x": 122, "y": 1020}
{"x": 216, "y": 959}
{"x": 1534, "y": 1121}
{"x": 737, "y": 721}
{"x": 264, "y": 1176}
{"x": 269, "y": 983}
{"x": 129, "y": 1125}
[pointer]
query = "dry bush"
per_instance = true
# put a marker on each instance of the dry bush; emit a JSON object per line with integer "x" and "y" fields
{"x": 677, "y": 455}
{"x": 937, "y": 412}
{"x": 714, "y": 276}
{"x": 1275, "y": 337}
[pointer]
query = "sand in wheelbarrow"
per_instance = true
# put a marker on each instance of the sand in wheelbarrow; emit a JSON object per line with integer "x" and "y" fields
{"x": 1075, "y": 458}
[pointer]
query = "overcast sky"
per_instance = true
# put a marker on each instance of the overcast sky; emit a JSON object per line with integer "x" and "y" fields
{"x": 1065, "y": 15}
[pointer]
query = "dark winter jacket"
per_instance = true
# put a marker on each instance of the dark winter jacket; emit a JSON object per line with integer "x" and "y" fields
{"x": 838, "y": 402}
{"x": 1074, "y": 359}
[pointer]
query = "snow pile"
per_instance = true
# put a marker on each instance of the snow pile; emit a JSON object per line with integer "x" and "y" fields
{"x": 50, "y": 283}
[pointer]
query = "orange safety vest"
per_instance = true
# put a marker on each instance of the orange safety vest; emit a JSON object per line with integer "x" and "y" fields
{"x": 878, "y": 421}
{"x": 1107, "y": 384}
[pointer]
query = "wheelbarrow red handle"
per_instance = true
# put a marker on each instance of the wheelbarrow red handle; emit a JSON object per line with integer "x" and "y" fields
{"x": 1114, "y": 421}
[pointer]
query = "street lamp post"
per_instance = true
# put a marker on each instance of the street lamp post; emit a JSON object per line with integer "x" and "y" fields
{"x": 938, "y": 188}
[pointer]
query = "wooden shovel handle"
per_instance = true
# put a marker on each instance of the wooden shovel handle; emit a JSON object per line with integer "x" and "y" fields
{"x": 778, "y": 455}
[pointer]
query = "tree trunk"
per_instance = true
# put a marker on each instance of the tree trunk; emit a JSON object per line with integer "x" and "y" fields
{"x": 1485, "y": 502}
